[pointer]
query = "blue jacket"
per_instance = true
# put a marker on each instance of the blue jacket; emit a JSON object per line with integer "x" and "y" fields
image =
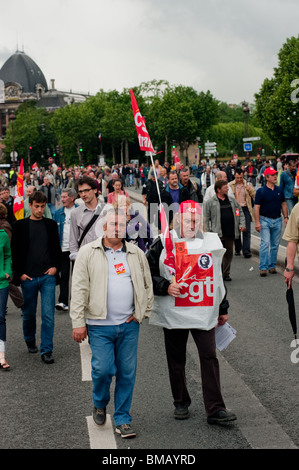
{"x": 287, "y": 181}
{"x": 59, "y": 217}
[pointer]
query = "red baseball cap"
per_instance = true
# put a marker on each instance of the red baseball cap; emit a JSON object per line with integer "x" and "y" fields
{"x": 270, "y": 171}
{"x": 190, "y": 206}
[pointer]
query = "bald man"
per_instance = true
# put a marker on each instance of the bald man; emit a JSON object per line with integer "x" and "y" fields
{"x": 210, "y": 192}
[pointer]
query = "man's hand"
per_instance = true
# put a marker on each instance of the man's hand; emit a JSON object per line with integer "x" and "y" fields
{"x": 174, "y": 289}
{"x": 24, "y": 277}
{"x": 288, "y": 277}
{"x": 79, "y": 334}
{"x": 222, "y": 319}
{"x": 51, "y": 271}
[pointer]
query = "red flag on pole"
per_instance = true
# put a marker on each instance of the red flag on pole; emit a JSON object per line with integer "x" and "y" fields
{"x": 146, "y": 145}
{"x": 18, "y": 205}
{"x": 143, "y": 136}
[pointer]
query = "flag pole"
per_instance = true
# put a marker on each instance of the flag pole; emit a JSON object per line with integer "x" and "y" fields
{"x": 159, "y": 196}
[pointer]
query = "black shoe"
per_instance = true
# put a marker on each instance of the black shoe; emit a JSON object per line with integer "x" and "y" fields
{"x": 248, "y": 255}
{"x": 32, "y": 349}
{"x": 181, "y": 412}
{"x": 227, "y": 278}
{"x": 48, "y": 358}
{"x": 221, "y": 416}
{"x": 237, "y": 254}
{"x": 99, "y": 416}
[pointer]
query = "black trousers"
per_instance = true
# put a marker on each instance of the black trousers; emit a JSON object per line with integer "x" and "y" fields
{"x": 175, "y": 345}
{"x": 65, "y": 278}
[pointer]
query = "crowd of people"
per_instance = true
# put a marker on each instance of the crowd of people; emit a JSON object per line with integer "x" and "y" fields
{"x": 81, "y": 228}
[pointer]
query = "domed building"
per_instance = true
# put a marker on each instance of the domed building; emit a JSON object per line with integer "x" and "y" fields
{"x": 21, "y": 79}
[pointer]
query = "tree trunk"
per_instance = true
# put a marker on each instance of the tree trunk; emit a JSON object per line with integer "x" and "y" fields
{"x": 127, "y": 151}
{"x": 122, "y": 152}
{"x": 113, "y": 154}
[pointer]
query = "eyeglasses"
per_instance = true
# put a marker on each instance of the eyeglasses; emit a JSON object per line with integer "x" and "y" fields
{"x": 84, "y": 191}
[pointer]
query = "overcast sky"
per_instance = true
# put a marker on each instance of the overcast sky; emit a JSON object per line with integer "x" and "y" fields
{"x": 226, "y": 46}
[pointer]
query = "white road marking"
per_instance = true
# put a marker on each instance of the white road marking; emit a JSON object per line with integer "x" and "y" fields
{"x": 101, "y": 437}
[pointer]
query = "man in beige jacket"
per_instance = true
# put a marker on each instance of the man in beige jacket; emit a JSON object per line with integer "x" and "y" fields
{"x": 111, "y": 294}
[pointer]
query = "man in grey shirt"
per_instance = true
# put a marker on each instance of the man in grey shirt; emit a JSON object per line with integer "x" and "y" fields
{"x": 82, "y": 215}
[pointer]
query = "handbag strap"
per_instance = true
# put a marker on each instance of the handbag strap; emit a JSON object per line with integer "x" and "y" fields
{"x": 88, "y": 226}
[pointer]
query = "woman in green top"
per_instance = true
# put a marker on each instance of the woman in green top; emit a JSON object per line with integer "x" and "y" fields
{"x": 5, "y": 274}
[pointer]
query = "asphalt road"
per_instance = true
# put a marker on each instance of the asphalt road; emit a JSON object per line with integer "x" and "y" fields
{"x": 49, "y": 406}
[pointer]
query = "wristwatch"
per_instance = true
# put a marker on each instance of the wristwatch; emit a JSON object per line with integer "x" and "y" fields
{"x": 289, "y": 270}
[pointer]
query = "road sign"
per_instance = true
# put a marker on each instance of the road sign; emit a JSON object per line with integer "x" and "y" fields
{"x": 249, "y": 139}
{"x": 50, "y": 160}
{"x": 248, "y": 147}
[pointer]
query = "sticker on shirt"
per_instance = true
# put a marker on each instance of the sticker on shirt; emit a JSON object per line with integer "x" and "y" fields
{"x": 119, "y": 268}
{"x": 196, "y": 274}
{"x": 237, "y": 212}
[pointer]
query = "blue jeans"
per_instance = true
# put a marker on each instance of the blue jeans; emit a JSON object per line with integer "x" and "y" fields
{"x": 270, "y": 238}
{"x": 52, "y": 208}
{"x": 114, "y": 353}
{"x": 3, "y": 303}
{"x": 46, "y": 285}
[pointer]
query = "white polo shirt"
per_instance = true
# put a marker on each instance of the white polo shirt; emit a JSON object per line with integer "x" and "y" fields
{"x": 120, "y": 291}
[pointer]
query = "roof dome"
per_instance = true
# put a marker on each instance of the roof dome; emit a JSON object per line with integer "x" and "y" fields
{"x": 22, "y": 70}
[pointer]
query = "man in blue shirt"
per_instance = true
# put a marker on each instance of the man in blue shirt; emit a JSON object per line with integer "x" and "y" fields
{"x": 269, "y": 203}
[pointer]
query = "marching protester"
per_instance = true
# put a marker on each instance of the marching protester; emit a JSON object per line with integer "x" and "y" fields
{"x": 180, "y": 311}
{"x": 268, "y": 206}
{"x": 6, "y": 273}
{"x": 63, "y": 218}
{"x": 117, "y": 191}
{"x": 102, "y": 268}
{"x": 291, "y": 235}
{"x": 287, "y": 184}
{"x": 51, "y": 193}
{"x": 244, "y": 193}
{"x": 192, "y": 186}
{"x": 36, "y": 256}
{"x": 173, "y": 194}
{"x": 150, "y": 197}
{"x": 224, "y": 216}
{"x": 210, "y": 192}
{"x": 14, "y": 291}
{"x": 82, "y": 229}
{"x": 27, "y": 210}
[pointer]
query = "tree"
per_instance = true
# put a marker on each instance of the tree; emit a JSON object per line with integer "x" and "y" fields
{"x": 277, "y": 101}
{"x": 31, "y": 128}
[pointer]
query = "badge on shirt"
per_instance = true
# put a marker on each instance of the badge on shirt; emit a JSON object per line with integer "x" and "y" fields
{"x": 119, "y": 268}
{"x": 237, "y": 212}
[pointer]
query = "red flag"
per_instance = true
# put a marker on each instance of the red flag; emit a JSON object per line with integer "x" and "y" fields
{"x": 176, "y": 158}
{"x": 34, "y": 166}
{"x": 167, "y": 242}
{"x": 143, "y": 136}
{"x": 18, "y": 205}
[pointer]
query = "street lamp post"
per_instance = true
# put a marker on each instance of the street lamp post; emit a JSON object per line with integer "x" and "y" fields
{"x": 246, "y": 114}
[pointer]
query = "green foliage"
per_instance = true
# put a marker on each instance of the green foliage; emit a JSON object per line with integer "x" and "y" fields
{"x": 229, "y": 138}
{"x": 277, "y": 101}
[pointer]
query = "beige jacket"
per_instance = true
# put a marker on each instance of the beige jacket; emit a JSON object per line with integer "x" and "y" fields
{"x": 89, "y": 283}
{"x": 250, "y": 193}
